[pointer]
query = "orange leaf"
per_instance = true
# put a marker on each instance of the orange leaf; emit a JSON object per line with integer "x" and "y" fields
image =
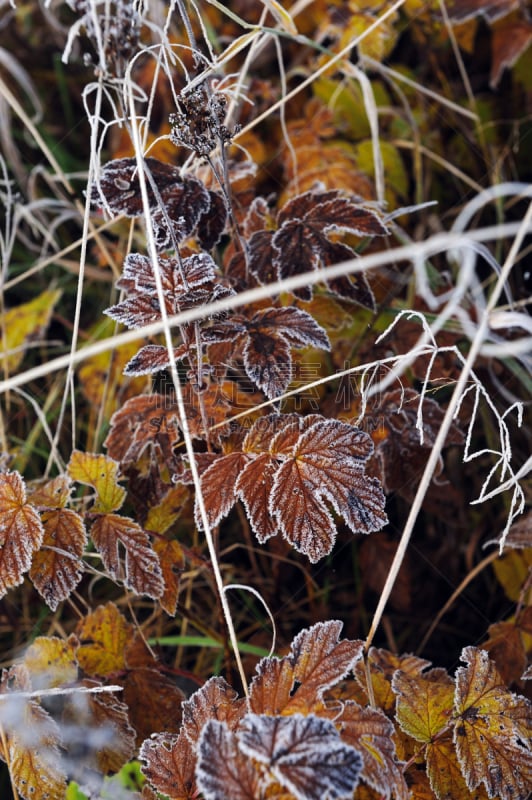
{"x": 172, "y": 561}
{"x": 493, "y": 727}
{"x": 146, "y": 420}
{"x": 142, "y": 571}
{"x": 57, "y": 568}
{"x": 21, "y": 531}
{"x": 296, "y": 683}
{"x": 100, "y": 472}
{"x": 164, "y": 514}
{"x": 51, "y": 661}
{"x": 104, "y": 635}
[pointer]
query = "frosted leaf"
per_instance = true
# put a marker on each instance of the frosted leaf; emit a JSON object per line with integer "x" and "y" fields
{"x": 21, "y": 531}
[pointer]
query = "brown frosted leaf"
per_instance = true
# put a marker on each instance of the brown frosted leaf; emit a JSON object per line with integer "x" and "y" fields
{"x": 140, "y": 571}
{"x": 370, "y": 732}
{"x": 383, "y": 665}
{"x": 146, "y": 420}
{"x": 216, "y": 700}
{"x": 104, "y": 635}
{"x": 153, "y": 358}
{"x": 261, "y": 256}
{"x": 348, "y": 287}
{"x": 254, "y": 487}
{"x": 169, "y": 763}
{"x": 211, "y": 223}
{"x": 492, "y": 730}
{"x": 424, "y": 707}
{"x": 326, "y": 467}
{"x": 304, "y": 753}
{"x": 510, "y": 39}
{"x": 302, "y": 244}
{"x": 57, "y": 567}
{"x": 172, "y": 561}
{"x": 223, "y": 770}
{"x": 51, "y": 661}
{"x": 271, "y": 332}
{"x": 21, "y": 531}
{"x": 100, "y": 472}
{"x": 185, "y": 200}
{"x": 317, "y": 661}
{"x": 218, "y": 486}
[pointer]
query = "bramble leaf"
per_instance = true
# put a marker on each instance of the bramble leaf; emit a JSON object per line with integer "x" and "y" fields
{"x": 382, "y": 666}
{"x": 492, "y": 731}
{"x": 326, "y": 467}
{"x": 370, "y": 732}
{"x": 146, "y": 420}
{"x": 223, "y": 769}
{"x": 304, "y": 753}
{"x": 22, "y": 324}
{"x": 141, "y": 571}
{"x": 103, "y": 635}
{"x": 169, "y": 764}
{"x": 101, "y": 473}
{"x": 57, "y": 567}
{"x": 51, "y": 661}
{"x": 424, "y": 706}
{"x": 216, "y": 700}
{"x": 21, "y": 531}
{"x": 296, "y": 683}
{"x": 33, "y": 741}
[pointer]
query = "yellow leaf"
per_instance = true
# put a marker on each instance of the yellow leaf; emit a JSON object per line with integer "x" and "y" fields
{"x": 22, "y": 324}
{"x": 163, "y": 515}
{"x": 104, "y": 636}
{"x": 394, "y": 171}
{"x": 51, "y": 494}
{"x": 51, "y": 661}
{"x": 100, "y": 472}
{"x": 443, "y": 769}
{"x": 512, "y": 570}
{"x": 424, "y": 706}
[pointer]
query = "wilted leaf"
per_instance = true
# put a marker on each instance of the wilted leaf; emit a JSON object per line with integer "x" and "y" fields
{"x": 520, "y": 533}
{"x": 21, "y": 531}
{"x": 491, "y": 9}
{"x": 506, "y": 649}
{"x": 510, "y": 39}
{"x": 492, "y": 730}
{"x": 304, "y": 753}
{"x": 223, "y": 770}
{"x": 512, "y": 570}
{"x": 22, "y": 324}
{"x": 169, "y": 764}
{"x": 51, "y": 494}
{"x": 104, "y": 635}
{"x": 216, "y": 700}
{"x": 370, "y": 732}
{"x": 51, "y": 661}
{"x": 101, "y": 473}
{"x": 57, "y": 567}
{"x": 141, "y": 571}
